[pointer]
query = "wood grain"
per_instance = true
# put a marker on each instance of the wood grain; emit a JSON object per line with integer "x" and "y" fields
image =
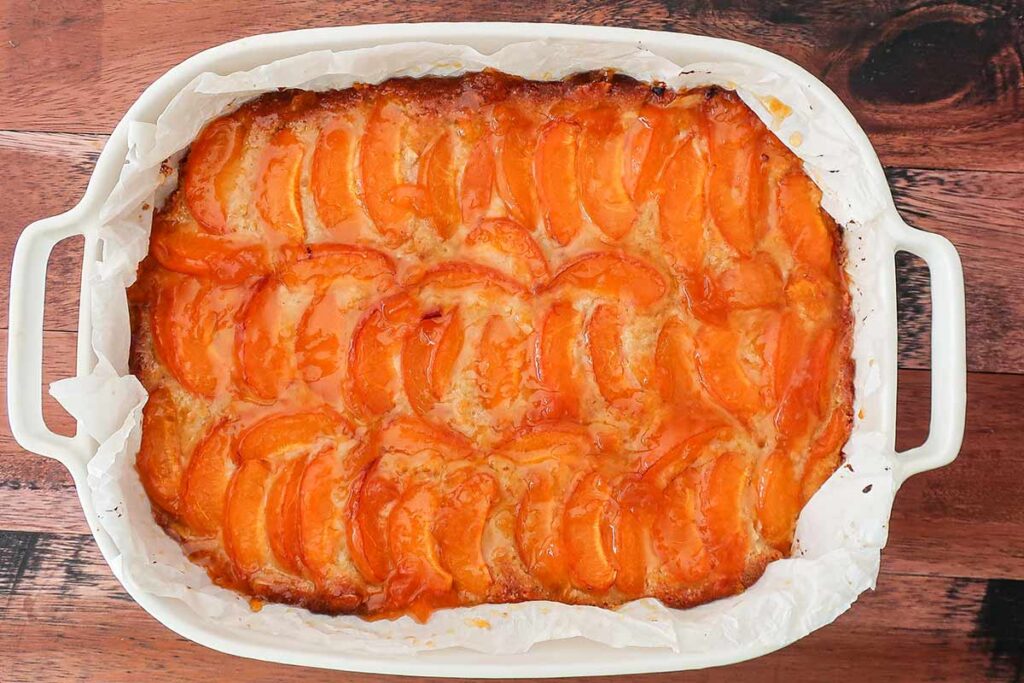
{"x": 938, "y": 88}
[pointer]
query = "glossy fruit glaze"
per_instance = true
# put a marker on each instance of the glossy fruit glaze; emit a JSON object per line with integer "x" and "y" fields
{"x": 450, "y": 341}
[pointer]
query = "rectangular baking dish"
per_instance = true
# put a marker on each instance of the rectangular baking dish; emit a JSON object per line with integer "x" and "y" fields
{"x": 571, "y": 657}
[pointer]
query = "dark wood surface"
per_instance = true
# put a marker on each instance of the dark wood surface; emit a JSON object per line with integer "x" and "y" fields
{"x": 938, "y": 88}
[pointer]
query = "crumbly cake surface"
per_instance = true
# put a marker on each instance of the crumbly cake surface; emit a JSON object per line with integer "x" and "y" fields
{"x": 449, "y": 341}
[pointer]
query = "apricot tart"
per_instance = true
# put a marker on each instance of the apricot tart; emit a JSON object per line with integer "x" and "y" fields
{"x": 444, "y": 342}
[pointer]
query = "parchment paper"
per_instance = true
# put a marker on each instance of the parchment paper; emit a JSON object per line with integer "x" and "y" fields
{"x": 839, "y": 534}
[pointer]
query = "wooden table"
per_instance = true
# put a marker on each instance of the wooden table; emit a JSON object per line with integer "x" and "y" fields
{"x": 937, "y": 87}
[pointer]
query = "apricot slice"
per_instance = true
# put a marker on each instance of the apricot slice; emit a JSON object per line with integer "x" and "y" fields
{"x": 212, "y": 169}
{"x": 245, "y": 533}
{"x": 803, "y": 223}
{"x": 226, "y": 259}
{"x": 459, "y": 275}
{"x": 778, "y": 499}
{"x": 675, "y": 367}
{"x": 556, "y": 362}
{"x": 459, "y": 531}
{"x": 277, "y": 435}
{"x": 514, "y": 244}
{"x": 752, "y": 283}
{"x": 322, "y": 517}
{"x": 206, "y": 482}
{"x": 554, "y": 168}
{"x": 376, "y": 343}
{"x": 477, "y": 182}
{"x": 649, "y": 148}
{"x": 538, "y": 532}
{"x": 614, "y": 276}
{"x": 584, "y": 534}
{"x": 277, "y": 187}
{"x": 368, "y": 528}
{"x": 516, "y": 141}
{"x": 417, "y": 572}
{"x": 389, "y": 200}
{"x": 325, "y": 263}
{"x": 825, "y": 453}
{"x": 604, "y": 340}
{"x": 319, "y": 350}
{"x": 672, "y": 459}
{"x": 499, "y": 365}
{"x": 437, "y": 175}
{"x": 559, "y": 441}
{"x": 331, "y": 179}
{"x": 637, "y": 509}
{"x": 159, "y": 461}
{"x": 801, "y": 376}
{"x": 283, "y": 516}
{"x": 681, "y": 208}
{"x": 599, "y": 167}
{"x": 265, "y": 343}
{"x": 725, "y": 524}
{"x": 676, "y": 534}
{"x": 718, "y": 364}
{"x": 428, "y": 359}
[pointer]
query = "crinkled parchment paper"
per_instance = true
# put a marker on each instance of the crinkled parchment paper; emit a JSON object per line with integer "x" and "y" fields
{"x": 840, "y": 532}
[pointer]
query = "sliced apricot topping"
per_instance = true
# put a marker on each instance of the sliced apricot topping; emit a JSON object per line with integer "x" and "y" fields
{"x": 322, "y": 515}
{"x": 212, "y": 169}
{"x": 675, "y": 367}
{"x": 283, "y": 516}
{"x": 227, "y": 259}
{"x": 556, "y": 362}
{"x": 803, "y": 223}
{"x": 718, "y": 363}
{"x": 265, "y": 343}
{"x": 324, "y": 263}
{"x": 600, "y": 166}
{"x": 331, "y": 180}
{"x": 538, "y": 531}
{"x": 477, "y": 182}
{"x": 389, "y": 199}
{"x": 681, "y": 208}
{"x": 676, "y": 534}
{"x": 159, "y": 461}
{"x": 611, "y": 275}
{"x": 725, "y": 519}
{"x": 649, "y": 148}
{"x": 604, "y": 340}
{"x": 277, "y": 435}
{"x": 437, "y": 175}
{"x": 778, "y": 499}
{"x": 368, "y": 529}
{"x": 417, "y": 573}
{"x": 456, "y": 275}
{"x": 637, "y": 509}
{"x": 245, "y": 532}
{"x": 825, "y": 453}
{"x": 459, "y": 531}
{"x": 206, "y": 482}
{"x": 554, "y": 168}
{"x": 319, "y": 347}
{"x": 735, "y": 194}
{"x": 500, "y": 363}
{"x": 376, "y": 343}
{"x": 514, "y": 245}
{"x": 753, "y": 283}
{"x": 277, "y": 187}
{"x": 428, "y": 359}
{"x": 516, "y": 141}
{"x": 589, "y": 554}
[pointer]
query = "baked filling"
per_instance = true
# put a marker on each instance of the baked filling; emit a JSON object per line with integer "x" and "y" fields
{"x": 451, "y": 341}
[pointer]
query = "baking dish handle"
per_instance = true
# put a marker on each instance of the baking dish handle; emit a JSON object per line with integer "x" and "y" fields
{"x": 25, "y": 342}
{"x": 948, "y": 354}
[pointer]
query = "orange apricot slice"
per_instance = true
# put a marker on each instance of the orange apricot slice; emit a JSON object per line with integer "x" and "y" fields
{"x": 752, "y": 283}
{"x": 554, "y": 168}
{"x": 368, "y": 527}
{"x": 376, "y": 343}
{"x": 225, "y": 259}
{"x": 389, "y": 200}
{"x": 477, "y": 182}
{"x": 417, "y": 574}
{"x": 676, "y": 534}
{"x": 322, "y": 264}
{"x": 283, "y": 512}
{"x": 212, "y": 169}
{"x": 778, "y": 499}
{"x": 556, "y": 365}
{"x": 277, "y": 435}
{"x": 718, "y": 365}
{"x": 277, "y": 186}
{"x": 514, "y": 245}
{"x": 599, "y": 167}
{"x": 650, "y": 142}
{"x": 437, "y": 175}
{"x": 825, "y": 453}
{"x": 803, "y": 223}
{"x": 538, "y": 531}
{"x": 331, "y": 180}
{"x": 675, "y": 368}
{"x": 499, "y": 365}
{"x": 637, "y": 509}
{"x": 725, "y": 523}
{"x": 460, "y": 275}
{"x": 459, "y": 531}
{"x": 159, "y": 461}
{"x": 245, "y": 532}
{"x": 265, "y": 343}
{"x": 206, "y": 482}
{"x": 604, "y": 341}
{"x": 681, "y": 208}
{"x": 429, "y": 355}
{"x": 516, "y": 140}
{"x": 584, "y": 534}
{"x": 611, "y": 275}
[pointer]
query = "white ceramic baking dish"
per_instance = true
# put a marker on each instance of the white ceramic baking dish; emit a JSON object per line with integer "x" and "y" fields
{"x": 572, "y": 657}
